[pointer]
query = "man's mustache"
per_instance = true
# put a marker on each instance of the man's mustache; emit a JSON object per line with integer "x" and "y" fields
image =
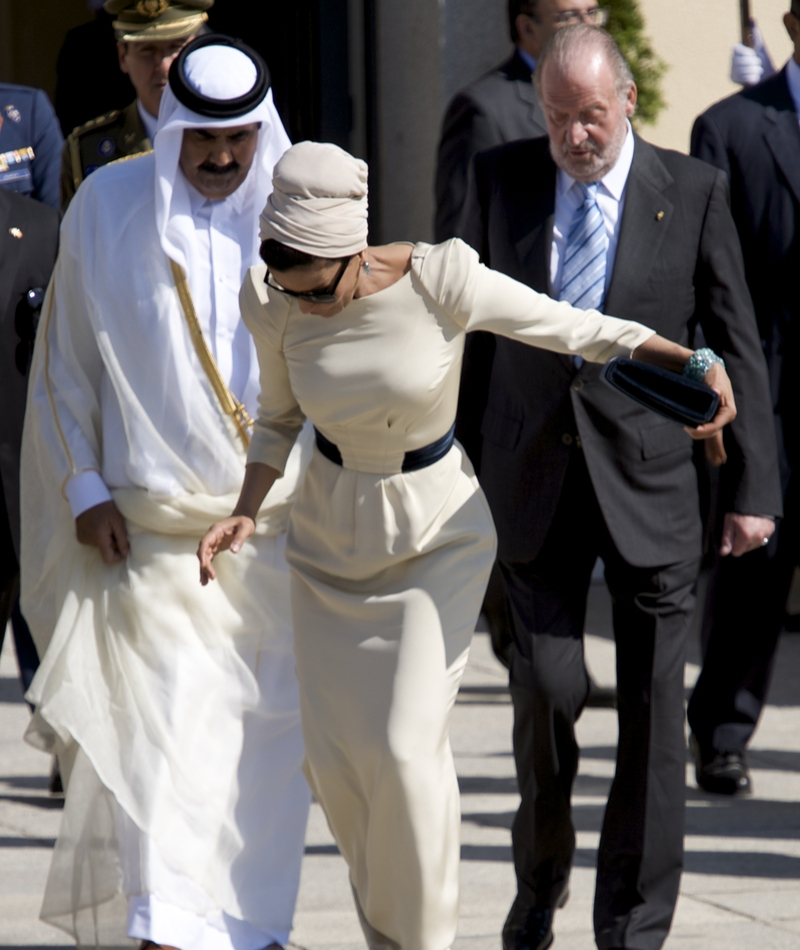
{"x": 213, "y": 169}
{"x": 589, "y": 147}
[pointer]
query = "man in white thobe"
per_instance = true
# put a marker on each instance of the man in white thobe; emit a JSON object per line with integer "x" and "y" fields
{"x": 174, "y": 708}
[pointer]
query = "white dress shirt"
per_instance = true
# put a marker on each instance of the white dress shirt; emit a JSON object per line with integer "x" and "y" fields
{"x": 529, "y": 61}
{"x": 150, "y": 122}
{"x": 610, "y": 198}
{"x": 793, "y": 78}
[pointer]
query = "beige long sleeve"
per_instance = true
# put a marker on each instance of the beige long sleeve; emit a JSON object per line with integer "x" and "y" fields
{"x": 478, "y": 298}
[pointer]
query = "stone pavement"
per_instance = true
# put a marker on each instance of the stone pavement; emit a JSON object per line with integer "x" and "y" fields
{"x": 741, "y": 888}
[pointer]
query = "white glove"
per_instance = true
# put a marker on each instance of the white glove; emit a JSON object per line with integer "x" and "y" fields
{"x": 749, "y": 65}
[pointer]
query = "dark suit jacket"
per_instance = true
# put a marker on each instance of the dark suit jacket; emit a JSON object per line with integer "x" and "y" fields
{"x": 26, "y": 262}
{"x": 500, "y": 107}
{"x": 678, "y": 263}
{"x": 754, "y": 137}
{"x": 28, "y": 121}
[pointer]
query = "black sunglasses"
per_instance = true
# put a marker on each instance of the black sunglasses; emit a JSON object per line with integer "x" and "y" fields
{"x": 26, "y": 319}
{"x": 328, "y": 296}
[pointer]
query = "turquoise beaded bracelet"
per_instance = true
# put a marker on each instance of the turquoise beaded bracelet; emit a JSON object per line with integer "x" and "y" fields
{"x": 700, "y": 362}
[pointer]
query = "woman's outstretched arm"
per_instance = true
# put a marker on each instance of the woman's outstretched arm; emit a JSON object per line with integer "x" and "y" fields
{"x": 672, "y": 356}
{"x": 231, "y": 533}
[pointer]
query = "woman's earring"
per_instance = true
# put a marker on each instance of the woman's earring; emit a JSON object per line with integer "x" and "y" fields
{"x": 365, "y": 265}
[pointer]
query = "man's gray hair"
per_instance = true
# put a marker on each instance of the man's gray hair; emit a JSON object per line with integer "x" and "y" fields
{"x": 570, "y": 44}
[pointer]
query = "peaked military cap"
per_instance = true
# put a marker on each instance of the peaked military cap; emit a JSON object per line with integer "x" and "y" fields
{"x": 148, "y": 20}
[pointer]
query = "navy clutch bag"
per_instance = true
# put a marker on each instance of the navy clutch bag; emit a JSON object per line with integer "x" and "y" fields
{"x": 670, "y": 395}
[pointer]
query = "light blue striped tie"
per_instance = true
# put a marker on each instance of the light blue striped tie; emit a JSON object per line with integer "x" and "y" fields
{"x": 583, "y": 278}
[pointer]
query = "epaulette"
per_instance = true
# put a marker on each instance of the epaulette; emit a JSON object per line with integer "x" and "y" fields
{"x": 94, "y": 124}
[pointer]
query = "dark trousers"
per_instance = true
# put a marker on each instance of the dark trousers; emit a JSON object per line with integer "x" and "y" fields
{"x": 27, "y": 657}
{"x": 641, "y": 845}
{"x": 744, "y": 614}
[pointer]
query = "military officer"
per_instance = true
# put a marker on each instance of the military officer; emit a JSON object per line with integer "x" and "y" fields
{"x": 150, "y": 34}
{"x": 30, "y": 143}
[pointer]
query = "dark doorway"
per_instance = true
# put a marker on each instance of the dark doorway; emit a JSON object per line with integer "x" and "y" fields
{"x": 305, "y": 44}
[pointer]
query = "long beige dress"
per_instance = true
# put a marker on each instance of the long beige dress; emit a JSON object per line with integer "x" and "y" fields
{"x": 389, "y": 568}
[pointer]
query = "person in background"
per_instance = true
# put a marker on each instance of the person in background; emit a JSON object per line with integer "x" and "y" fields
{"x": 751, "y": 64}
{"x": 176, "y": 717}
{"x": 501, "y": 106}
{"x": 149, "y": 37}
{"x": 30, "y": 144}
{"x": 596, "y": 216}
{"x": 754, "y": 137}
{"x": 89, "y": 81}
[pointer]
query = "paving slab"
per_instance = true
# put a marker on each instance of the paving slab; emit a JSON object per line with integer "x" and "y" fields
{"x": 741, "y": 888}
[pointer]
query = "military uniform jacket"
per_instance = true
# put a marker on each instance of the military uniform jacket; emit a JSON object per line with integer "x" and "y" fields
{"x": 30, "y": 143}
{"x": 117, "y": 134}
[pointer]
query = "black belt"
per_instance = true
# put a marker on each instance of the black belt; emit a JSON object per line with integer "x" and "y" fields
{"x": 412, "y": 461}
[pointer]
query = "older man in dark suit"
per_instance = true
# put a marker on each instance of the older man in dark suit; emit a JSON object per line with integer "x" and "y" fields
{"x": 754, "y": 137}
{"x": 501, "y": 106}
{"x": 28, "y": 244}
{"x": 572, "y": 470}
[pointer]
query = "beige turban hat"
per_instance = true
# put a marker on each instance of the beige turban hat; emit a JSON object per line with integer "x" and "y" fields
{"x": 318, "y": 203}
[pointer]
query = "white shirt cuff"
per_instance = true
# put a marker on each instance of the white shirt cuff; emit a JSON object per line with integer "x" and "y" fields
{"x": 84, "y": 490}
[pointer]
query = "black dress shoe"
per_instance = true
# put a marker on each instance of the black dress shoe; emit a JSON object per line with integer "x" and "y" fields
{"x": 723, "y": 773}
{"x": 531, "y": 928}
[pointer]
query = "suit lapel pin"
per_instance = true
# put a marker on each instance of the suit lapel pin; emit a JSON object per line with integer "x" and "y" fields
{"x": 660, "y": 216}
{"x": 15, "y": 232}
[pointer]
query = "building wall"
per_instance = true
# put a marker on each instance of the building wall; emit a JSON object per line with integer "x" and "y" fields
{"x": 695, "y": 38}
{"x": 428, "y": 49}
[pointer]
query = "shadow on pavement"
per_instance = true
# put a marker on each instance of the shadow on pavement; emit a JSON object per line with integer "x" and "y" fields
{"x": 25, "y": 781}
{"x": 743, "y": 864}
{"x": 26, "y": 843}
{"x": 10, "y": 692}
{"x": 35, "y": 801}
{"x": 487, "y": 785}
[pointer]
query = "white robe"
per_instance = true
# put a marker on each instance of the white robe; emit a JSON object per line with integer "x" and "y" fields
{"x": 186, "y": 791}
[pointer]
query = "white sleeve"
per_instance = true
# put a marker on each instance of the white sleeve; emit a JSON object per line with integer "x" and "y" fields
{"x": 280, "y": 418}
{"x": 478, "y": 298}
{"x": 84, "y": 490}
{"x": 64, "y": 391}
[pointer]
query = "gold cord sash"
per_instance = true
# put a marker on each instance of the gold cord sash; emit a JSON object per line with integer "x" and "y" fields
{"x": 229, "y": 403}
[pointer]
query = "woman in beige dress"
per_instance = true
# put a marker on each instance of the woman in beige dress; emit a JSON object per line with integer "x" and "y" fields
{"x": 390, "y": 541}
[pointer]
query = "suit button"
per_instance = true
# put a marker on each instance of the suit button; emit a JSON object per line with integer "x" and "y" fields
{"x": 578, "y": 385}
{"x": 566, "y": 438}
{"x": 578, "y": 443}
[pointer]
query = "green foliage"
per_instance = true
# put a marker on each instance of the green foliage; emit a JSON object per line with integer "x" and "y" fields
{"x": 626, "y": 25}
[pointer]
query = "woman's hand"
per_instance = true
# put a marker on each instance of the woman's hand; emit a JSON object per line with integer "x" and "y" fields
{"x": 229, "y": 534}
{"x": 662, "y": 352}
{"x": 720, "y": 382}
